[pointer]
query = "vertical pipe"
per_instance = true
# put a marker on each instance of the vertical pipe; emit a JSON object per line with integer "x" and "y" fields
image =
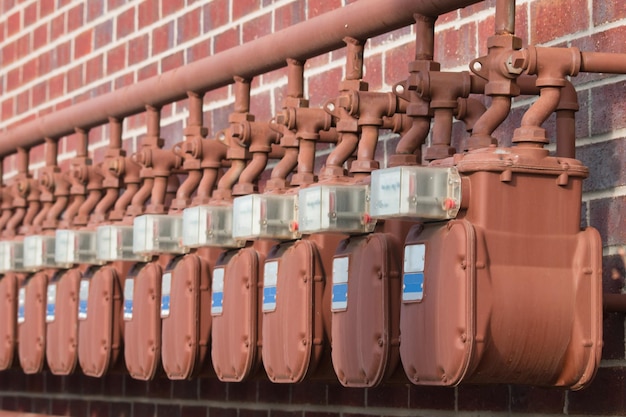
{"x": 115, "y": 140}
{"x": 424, "y": 37}
{"x": 195, "y": 109}
{"x": 153, "y": 121}
{"x": 82, "y": 142}
{"x": 242, "y": 95}
{"x": 295, "y": 78}
{"x": 22, "y": 161}
{"x": 505, "y": 17}
{"x": 354, "y": 58}
{"x": 51, "y": 151}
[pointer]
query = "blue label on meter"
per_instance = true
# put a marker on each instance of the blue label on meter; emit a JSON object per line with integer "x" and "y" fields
{"x": 51, "y": 303}
{"x": 413, "y": 287}
{"x": 166, "y": 289}
{"x": 83, "y": 296}
{"x": 269, "y": 298}
{"x": 129, "y": 290}
{"x": 270, "y": 281}
{"x": 340, "y": 297}
{"x": 217, "y": 287}
{"x": 21, "y": 305}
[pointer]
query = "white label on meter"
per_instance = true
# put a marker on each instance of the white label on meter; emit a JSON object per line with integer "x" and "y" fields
{"x": 129, "y": 290}
{"x": 83, "y": 296}
{"x": 51, "y": 302}
{"x": 166, "y": 289}
{"x": 217, "y": 288}
{"x": 21, "y": 305}
{"x": 270, "y": 280}
{"x": 340, "y": 284}
{"x": 413, "y": 277}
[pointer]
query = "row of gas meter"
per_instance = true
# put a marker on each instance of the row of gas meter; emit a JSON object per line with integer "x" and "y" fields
{"x": 472, "y": 268}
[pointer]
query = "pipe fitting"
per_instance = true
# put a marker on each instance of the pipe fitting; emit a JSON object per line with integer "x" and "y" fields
{"x": 551, "y": 65}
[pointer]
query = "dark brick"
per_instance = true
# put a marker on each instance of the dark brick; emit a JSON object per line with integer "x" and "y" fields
{"x": 99, "y": 409}
{"x": 36, "y": 382}
{"x": 284, "y": 413}
{"x": 40, "y": 405}
{"x": 172, "y": 410}
{"x": 338, "y": 395}
{"x": 555, "y": 18}
{"x": 269, "y": 392}
{"x": 113, "y": 384}
{"x": 309, "y": 393}
{"x": 321, "y": 414}
{"x": 605, "y": 395}
{"x": 604, "y": 12}
{"x": 607, "y": 215}
{"x": 222, "y": 412}
{"x": 193, "y": 411}
{"x": 605, "y": 162}
{"x": 144, "y": 410}
{"x": 483, "y": 397}
{"x": 212, "y": 389}
{"x": 242, "y": 392}
{"x": 214, "y": 15}
{"x": 257, "y": 27}
{"x": 78, "y": 408}
{"x": 185, "y": 389}
{"x": 253, "y": 413}
{"x": 289, "y": 15}
{"x": 121, "y": 409}
{"x": 537, "y": 400}
{"x": 135, "y": 388}
{"x": 608, "y": 110}
{"x": 433, "y": 398}
{"x": 396, "y": 396}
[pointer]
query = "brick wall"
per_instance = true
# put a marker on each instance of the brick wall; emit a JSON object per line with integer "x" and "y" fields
{"x": 55, "y": 53}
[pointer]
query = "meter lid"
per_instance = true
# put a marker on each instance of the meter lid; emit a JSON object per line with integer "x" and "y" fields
{"x": 12, "y": 256}
{"x": 75, "y": 247}
{"x": 39, "y": 251}
{"x": 158, "y": 233}
{"x": 272, "y": 216}
{"x": 209, "y": 225}
{"x": 115, "y": 243}
{"x": 416, "y": 192}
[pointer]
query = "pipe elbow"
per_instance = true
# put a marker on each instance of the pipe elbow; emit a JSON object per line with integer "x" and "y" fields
{"x": 373, "y": 106}
{"x": 249, "y": 176}
{"x": 551, "y": 65}
{"x": 213, "y": 153}
{"x": 469, "y": 111}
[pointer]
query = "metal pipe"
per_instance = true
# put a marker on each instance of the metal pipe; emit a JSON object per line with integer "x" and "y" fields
{"x": 286, "y": 165}
{"x": 360, "y": 20}
{"x": 608, "y": 63}
{"x": 424, "y": 37}
{"x": 505, "y": 17}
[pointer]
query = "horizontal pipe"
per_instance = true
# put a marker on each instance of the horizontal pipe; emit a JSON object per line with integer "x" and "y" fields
{"x": 360, "y": 20}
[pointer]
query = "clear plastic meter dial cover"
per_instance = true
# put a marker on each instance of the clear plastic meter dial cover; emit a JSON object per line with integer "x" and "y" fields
{"x": 265, "y": 216}
{"x": 158, "y": 233}
{"x": 115, "y": 243}
{"x": 75, "y": 247}
{"x": 209, "y": 226}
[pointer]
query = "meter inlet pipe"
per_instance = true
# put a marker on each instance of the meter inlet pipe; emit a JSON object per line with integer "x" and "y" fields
{"x": 111, "y": 181}
{"x": 19, "y": 190}
{"x": 6, "y": 200}
{"x": 47, "y": 182}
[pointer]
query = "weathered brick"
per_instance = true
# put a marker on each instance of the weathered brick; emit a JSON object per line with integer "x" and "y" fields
{"x": 257, "y": 27}
{"x": 604, "y": 396}
{"x": 214, "y": 15}
{"x": 608, "y": 110}
{"x": 188, "y": 26}
{"x": 147, "y": 13}
{"x": 198, "y": 51}
{"x": 608, "y": 216}
{"x": 373, "y": 72}
{"x": 23, "y": 45}
{"x": 30, "y": 14}
{"x": 94, "y": 69}
{"x": 171, "y": 6}
{"x": 244, "y": 7}
{"x": 75, "y": 78}
{"x": 23, "y": 102}
{"x": 9, "y": 52}
{"x": 46, "y": 7}
{"x": 173, "y": 61}
{"x": 606, "y": 160}
{"x": 456, "y": 47}
{"x": 226, "y": 40}
{"x": 556, "y": 18}
{"x": 536, "y": 400}
{"x": 8, "y": 108}
{"x": 40, "y": 36}
{"x": 397, "y": 63}
{"x": 103, "y": 34}
{"x": 483, "y": 397}
{"x": 83, "y": 43}
{"x": 116, "y": 59}
{"x": 123, "y": 81}
{"x": 605, "y": 12}
{"x": 125, "y": 23}
{"x": 163, "y": 38}
{"x": 318, "y": 7}
{"x": 61, "y": 54}
{"x": 57, "y": 26}
{"x": 14, "y": 23}
{"x": 148, "y": 71}
{"x": 75, "y": 17}
{"x": 289, "y": 15}
{"x": 95, "y": 9}
{"x": 114, "y": 4}
{"x": 14, "y": 79}
{"x": 138, "y": 49}
{"x": 323, "y": 87}
{"x": 39, "y": 92}
{"x": 56, "y": 86}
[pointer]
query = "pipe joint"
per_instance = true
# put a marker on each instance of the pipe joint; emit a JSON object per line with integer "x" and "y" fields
{"x": 373, "y": 106}
{"x": 551, "y": 65}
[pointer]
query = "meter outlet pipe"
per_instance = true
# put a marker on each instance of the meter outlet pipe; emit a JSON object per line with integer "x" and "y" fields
{"x": 186, "y": 282}
{"x": 100, "y": 325}
{"x": 238, "y": 275}
{"x": 295, "y": 314}
{"x": 158, "y": 236}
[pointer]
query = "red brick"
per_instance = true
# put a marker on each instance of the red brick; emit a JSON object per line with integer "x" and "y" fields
{"x": 103, "y": 34}
{"x": 605, "y": 159}
{"x": 23, "y": 45}
{"x": 138, "y": 49}
{"x": 605, "y": 12}
{"x": 121, "y": 409}
{"x": 8, "y": 108}
{"x": 148, "y": 71}
{"x": 75, "y": 18}
{"x": 257, "y": 28}
{"x": 75, "y": 78}
{"x": 390, "y": 36}
{"x": 39, "y": 92}
{"x": 56, "y": 86}
{"x": 217, "y": 94}
{"x": 9, "y": 52}
{"x": 40, "y": 36}
{"x": 148, "y": 13}
{"x": 243, "y": 412}
{"x": 126, "y": 23}
{"x": 30, "y": 14}
{"x": 289, "y": 15}
{"x": 226, "y": 40}
{"x": 536, "y": 400}
{"x": 168, "y": 410}
{"x": 45, "y": 7}
{"x": 7, "y": 5}
{"x": 346, "y": 396}
{"x": 608, "y": 216}
{"x": 193, "y": 411}
{"x": 556, "y": 18}
{"x": 23, "y": 102}
{"x": 124, "y": 80}
{"x": 608, "y": 109}
{"x": 40, "y": 405}
{"x": 57, "y": 26}
{"x": 29, "y": 71}
{"x": 114, "y": 4}
{"x": 116, "y": 59}
{"x": 185, "y": 389}
{"x": 396, "y": 396}
{"x": 476, "y": 8}
{"x": 324, "y": 86}
{"x": 13, "y": 79}
{"x": 99, "y": 409}
{"x": 188, "y": 26}
{"x": 171, "y": 6}
{"x": 435, "y": 398}
{"x": 318, "y": 7}
{"x": 94, "y": 69}
{"x": 456, "y": 47}
{"x": 198, "y": 51}
{"x": 14, "y": 23}
{"x": 163, "y": 38}
{"x": 397, "y": 63}
{"x": 613, "y": 323}
{"x": 170, "y": 62}
{"x": 95, "y": 9}
{"x": 83, "y": 43}
{"x": 261, "y": 106}
{"x": 373, "y": 68}
{"x": 215, "y": 14}
{"x": 244, "y": 7}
